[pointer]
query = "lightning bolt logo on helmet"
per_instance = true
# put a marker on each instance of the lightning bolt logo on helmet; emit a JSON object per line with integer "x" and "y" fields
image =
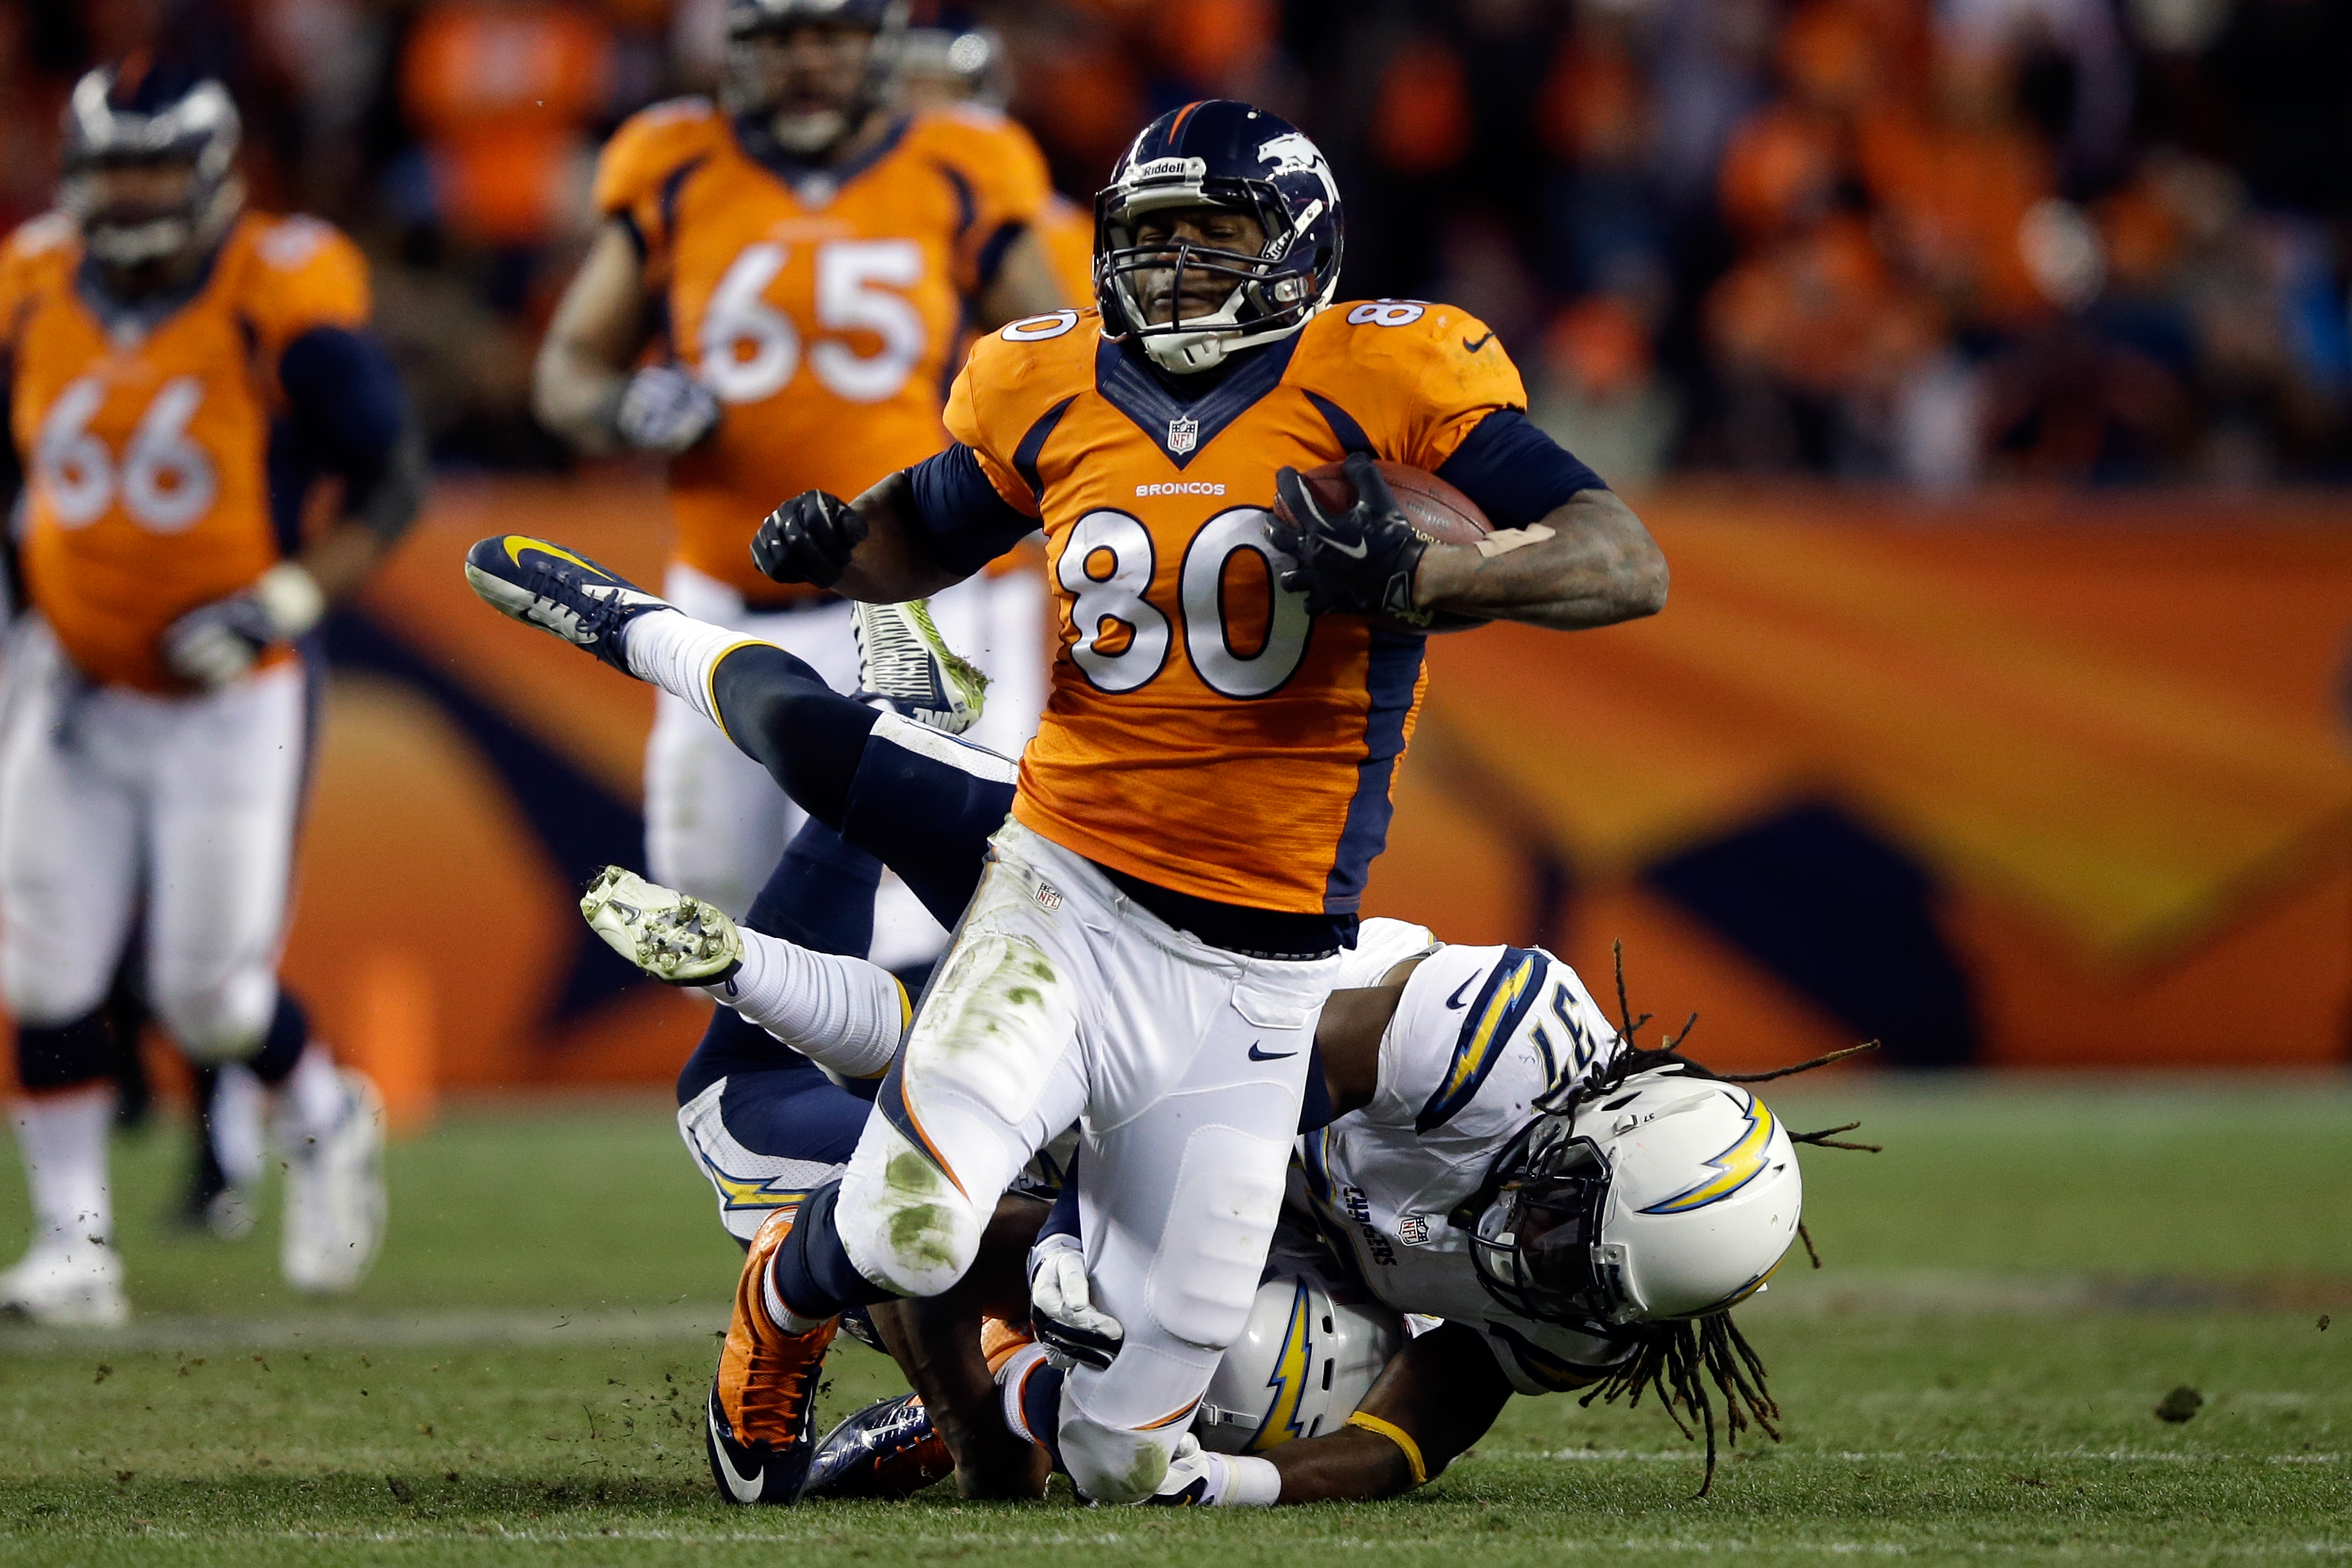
{"x": 1735, "y": 1167}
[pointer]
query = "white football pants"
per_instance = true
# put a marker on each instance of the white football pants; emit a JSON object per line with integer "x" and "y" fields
{"x": 107, "y": 793}
{"x": 716, "y": 823}
{"x": 1062, "y": 1000}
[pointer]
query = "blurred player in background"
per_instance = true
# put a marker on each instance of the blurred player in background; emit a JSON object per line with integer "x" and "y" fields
{"x": 177, "y": 371}
{"x": 817, "y": 253}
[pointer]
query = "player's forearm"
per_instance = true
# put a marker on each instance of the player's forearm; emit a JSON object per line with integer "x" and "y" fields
{"x": 890, "y": 564}
{"x": 575, "y": 392}
{"x": 1025, "y": 285}
{"x": 1590, "y": 562}
{"x": 341, "y": 559}
{"x": 1350, "y": 1464}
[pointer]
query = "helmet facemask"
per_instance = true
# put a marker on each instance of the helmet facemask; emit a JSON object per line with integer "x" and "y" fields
{"x": 197, "y": 134}
{"x": 748, "y": 85}
{"x": 1272, "y": 294}
{"x": 1536, "y": 1244}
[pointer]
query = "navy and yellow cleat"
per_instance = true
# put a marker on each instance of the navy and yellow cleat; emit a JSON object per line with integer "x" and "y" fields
{"x": 550, "y": 588}
{"x": 760, "y": 1427}
{"x": 886, "y": 1450}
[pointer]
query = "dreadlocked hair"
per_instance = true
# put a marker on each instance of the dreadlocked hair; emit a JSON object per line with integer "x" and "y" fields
{"x": 1678, "y": 1360}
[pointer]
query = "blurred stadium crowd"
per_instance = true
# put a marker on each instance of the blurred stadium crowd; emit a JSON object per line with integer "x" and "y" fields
{"x": 1925, "y": 241}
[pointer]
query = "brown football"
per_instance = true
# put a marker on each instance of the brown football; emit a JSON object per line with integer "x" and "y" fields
{"x": 1435, "y": 508}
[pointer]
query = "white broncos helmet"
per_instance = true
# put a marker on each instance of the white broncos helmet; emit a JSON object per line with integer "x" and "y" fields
{"x": 1308, "y": 1354}
{"x": 1669, "y": 1195}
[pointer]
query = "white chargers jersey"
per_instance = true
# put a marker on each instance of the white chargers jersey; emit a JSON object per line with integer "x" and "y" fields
{"x": 1484, "y": 1040}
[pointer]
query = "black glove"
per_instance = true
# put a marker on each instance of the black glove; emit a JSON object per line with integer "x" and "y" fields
{"x": 809, "y": 539}
{"x": 1360, "y": 561}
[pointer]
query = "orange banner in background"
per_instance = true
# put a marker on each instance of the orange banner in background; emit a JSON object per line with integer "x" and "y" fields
{"x": 2028, "y": 783}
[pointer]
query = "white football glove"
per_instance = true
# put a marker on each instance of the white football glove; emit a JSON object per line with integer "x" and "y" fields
{"x": 216, "y": 644}
{"x": 665, "y": 409}
{"x": 1062, "y": 1308}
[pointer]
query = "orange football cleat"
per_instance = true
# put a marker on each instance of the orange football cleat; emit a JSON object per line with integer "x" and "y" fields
{"x": 761, "y": 1424}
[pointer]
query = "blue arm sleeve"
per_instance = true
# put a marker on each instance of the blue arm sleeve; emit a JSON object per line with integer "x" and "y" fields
{"x": 1514, "y": 471}
{"x": 1062, "y": 1219}
{"x": 961, "y": 518}
{"x": 350, "y": 415}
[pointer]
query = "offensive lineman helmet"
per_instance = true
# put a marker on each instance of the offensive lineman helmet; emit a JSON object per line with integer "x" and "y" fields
{"x": 134, "y": 117}
{"x": 944, "y": 64}
{"x": 1668, "y": 1196}
{"x": 1305, "y": 1360}
{"x": 745, "y": 87}
{"x": 1220, "y": 153}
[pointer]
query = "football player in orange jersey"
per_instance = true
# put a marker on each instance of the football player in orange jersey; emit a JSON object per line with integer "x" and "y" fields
{"x": 1193, "y": 824}
{"x": 816, "y": 254}
{"x": 176, "y": 370}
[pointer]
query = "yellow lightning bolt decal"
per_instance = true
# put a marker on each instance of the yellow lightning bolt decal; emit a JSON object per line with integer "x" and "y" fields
{"x": 742, "y": 1193}
{"x": 516, "y": 544}
{"x": 1735, "y": 1167}
{"x": 1288, "y": 1381}
{"x": 1498, "y": 1007}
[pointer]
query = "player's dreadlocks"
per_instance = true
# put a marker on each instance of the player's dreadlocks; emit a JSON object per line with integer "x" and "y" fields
{"x": 1677, "y": 1360}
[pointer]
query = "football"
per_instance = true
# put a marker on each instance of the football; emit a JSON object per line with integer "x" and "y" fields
{"x": 1436, "y": 509}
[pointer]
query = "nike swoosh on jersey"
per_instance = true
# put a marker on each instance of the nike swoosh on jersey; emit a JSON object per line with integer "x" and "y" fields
{"x": 1454, "y": 1000}
{"x": 1358, "y": 554}
{"x": 1257, "y": 1054}
{"x": 1481, "y": 343}
{"x": 745, "y": 1489}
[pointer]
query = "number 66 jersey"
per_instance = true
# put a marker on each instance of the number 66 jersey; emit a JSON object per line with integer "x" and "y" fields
{"x": 1203, "y": 733}
{"x": 145, "y": 433}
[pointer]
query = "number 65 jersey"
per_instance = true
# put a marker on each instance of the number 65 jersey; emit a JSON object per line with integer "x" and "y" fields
{"x": 1202, "y": 732}
{"x": 820, "y": 305}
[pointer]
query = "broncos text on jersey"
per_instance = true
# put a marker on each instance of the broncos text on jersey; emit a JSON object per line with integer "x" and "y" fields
{"x": 820, "y": 305}
{"x": 1484, "y": 1040}
{"x": 146, "y": 434}
{"x": 1203, "y": 733}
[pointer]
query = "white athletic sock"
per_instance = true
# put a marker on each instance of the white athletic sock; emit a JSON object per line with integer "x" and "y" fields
{"x": 781, "y": 1316}
{"x": 673, "y": 650}
{"x": 844, "y": 1014}
{"x": 63, "y": 1140}
{"x": 1013, "y": 1377}
{"x": 240, "y": 1108}
{"x": 310, "y": 1103}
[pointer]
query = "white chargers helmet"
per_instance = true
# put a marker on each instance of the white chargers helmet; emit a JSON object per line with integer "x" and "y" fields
{"x": 1668, "y": 1197}
{"x": 1310, "y": 1351}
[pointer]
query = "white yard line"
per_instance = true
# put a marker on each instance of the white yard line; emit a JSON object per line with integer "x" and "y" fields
{"x": 385, "y": 1330}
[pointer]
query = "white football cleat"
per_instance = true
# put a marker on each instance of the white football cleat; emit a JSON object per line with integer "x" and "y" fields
{"x": 62, "y": 1288}
{"x": 334, "y": 1194}
{"x": 674, "y": 937}
{"x": 904, "y": 664}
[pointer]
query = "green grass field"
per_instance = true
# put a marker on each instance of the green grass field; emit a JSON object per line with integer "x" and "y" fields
{"x": 2011, "y": 1289}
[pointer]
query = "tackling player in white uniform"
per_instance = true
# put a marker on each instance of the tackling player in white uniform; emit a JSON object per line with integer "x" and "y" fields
{"x": 1466, "y": 1164}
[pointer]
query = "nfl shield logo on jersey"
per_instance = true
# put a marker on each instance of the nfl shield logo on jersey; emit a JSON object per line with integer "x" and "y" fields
{"x": 1183, "y": 434}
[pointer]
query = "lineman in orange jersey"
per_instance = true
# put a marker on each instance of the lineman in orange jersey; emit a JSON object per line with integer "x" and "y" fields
{"x": 1193, "y": 824}
{"x": 165, "y": 355}
{"x": 815, "y": 253}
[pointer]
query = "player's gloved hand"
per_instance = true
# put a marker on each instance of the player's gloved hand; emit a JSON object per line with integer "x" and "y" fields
{"x": 809, "y": 539}
{"x": 1198, "y": 1478}
{"x": 665, "y": 409}
{"x": 1358, "y": 562}
{"x": 215, "y": 644}
{"x": 1062, "y": 1308}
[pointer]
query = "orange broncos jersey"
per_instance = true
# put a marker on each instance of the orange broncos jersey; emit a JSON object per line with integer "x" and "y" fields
{"x": 821, "y": 313}
{"x": 1203, "y": 733}
{"x": 146, "y": 454}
